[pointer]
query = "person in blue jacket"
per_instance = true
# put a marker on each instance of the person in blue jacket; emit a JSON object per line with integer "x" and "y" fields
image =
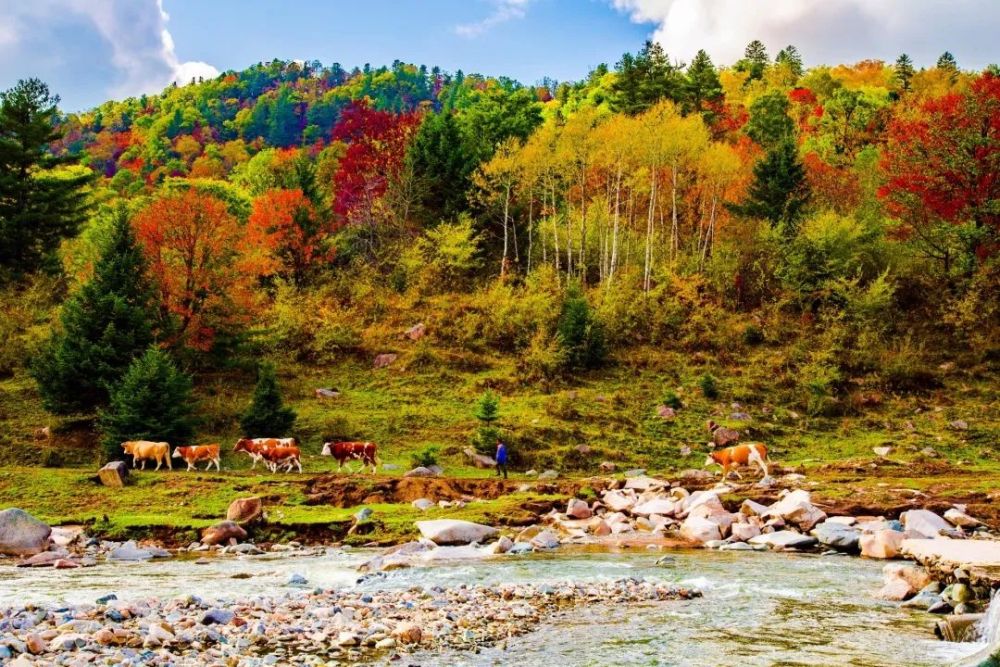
{"x": 501, "y": 458}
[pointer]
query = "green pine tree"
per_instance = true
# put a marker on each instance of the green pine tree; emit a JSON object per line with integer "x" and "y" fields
{"x": 267, "y": 416}
{"x": 580, "y": 333}
{"x": 948, "y": 63}
{"x": 152, "y": 402}
{"x": 442, "y": 167}
{"x": 904, "y": 72}
{"x": 755, "y": 60}
{"x": 702, "y": 84}
{"x": 790, "y": 56}
{"x": 779, "y": 192}
{"x": 105, "y": 325}
{"x": 487, "y": 411}
{"x": 38, "y": 207}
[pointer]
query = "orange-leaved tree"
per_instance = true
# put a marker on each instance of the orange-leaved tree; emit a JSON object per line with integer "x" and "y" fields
{"x": 206, "y": 265}
{"x": 289, "y": 224}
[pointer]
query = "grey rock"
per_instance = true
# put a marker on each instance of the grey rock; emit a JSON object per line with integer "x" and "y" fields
{"x": 838, "y": 536}
{"x": 217, "y": 617}
{"x": 114, "y": 474}
{"x": 22, "y": 534}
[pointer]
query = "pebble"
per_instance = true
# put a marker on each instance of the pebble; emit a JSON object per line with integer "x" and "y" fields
{"x": 302, "y": 628}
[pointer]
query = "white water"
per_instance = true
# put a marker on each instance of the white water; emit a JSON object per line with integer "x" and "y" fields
{"x": 759, "y": 609}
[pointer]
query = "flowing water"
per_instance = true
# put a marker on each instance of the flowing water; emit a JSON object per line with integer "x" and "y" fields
{"x": 758, "y": 608}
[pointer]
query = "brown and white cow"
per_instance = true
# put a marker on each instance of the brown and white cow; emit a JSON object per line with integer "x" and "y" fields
{"x": 144, "y": 450}
{"x": 277, "y": 457}
{"x": 255, "y": 446}
{"x": 193, "y": 454}
{"x": 740, "y": 455}
{"x": 366, "y": 452}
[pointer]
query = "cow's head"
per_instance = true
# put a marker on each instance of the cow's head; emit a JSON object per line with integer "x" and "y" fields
{"x": 178, "y": 453}
{"x": 711, "y": 459}
{"x": 327, "y": 449}
{"x": 128, "y": 447}
{"x": 242, "y": 445}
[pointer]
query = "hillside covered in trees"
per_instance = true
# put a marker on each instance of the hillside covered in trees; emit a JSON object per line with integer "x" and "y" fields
{"x": 821, "y": 244}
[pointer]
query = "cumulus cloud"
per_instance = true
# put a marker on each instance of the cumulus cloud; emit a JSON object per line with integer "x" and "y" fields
{"x": 825, "y": 31}
{"x": 142, "y": 52}
{"x": 503, "y": 11}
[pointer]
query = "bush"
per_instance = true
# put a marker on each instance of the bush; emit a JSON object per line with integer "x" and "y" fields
{"x": 52, "y": 458}
{"x": 487, "y": 411}
{"x": 581, "y": 334}
{"x": 426, "y": 457}
{"x": 152, "y": 402}
{"x": 543, "y": 361}
{"x": 672, "y": 400}
{"x": 709, "y": 386}
{"x": 267, "y": 416}
{"x": 753, "y": 335}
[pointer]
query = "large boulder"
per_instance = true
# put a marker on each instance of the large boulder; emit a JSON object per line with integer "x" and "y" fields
{"x": 245, "y": 510}
{"x": 742, "y": 532}
{"x": 420, "y": 471}
{"x": 222, "y": 532}
{"x": 957, "y": 517}
{"x": 618, "y": 501}
{"x": 883, "y": 543}
{"x": 902, "y": 581}
{"x": 837, "y": 536}
{"x": 657, "y": 505}
{"x": 479, "y": 460}
{"x": 797, "y": 508}
{"x": 114, "y": 474}
{"x": 700, "y": 530}
{"x": 784, "y": 539}
{"x": 578, "y": 509}
{"x": 130, "y": 551}
{"x": 924, "y": 523}
{"x": 22, "y": 534}
{"x": 454, "y": 531}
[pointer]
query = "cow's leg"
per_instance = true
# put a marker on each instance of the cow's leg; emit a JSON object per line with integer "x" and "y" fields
{"x": 755, "y": 457}
{"x": 738, "y": 475}
{"x": 298, "y": 463}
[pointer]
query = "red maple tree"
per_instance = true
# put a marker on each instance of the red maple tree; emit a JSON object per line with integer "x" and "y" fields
{"x": 942, "y": 163}
{"x": 288, "y": 223}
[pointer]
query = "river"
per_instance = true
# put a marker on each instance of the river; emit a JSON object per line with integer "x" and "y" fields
{"x": 758, "y": 608}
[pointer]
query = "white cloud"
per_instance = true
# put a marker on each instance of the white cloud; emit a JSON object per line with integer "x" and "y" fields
{"x": 143, "y": 55}
{"x": 503, "y": 11}
{"x": 825, "y": 31}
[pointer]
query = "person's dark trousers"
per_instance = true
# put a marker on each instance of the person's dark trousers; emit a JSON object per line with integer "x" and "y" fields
{"x": 502, "y": 467}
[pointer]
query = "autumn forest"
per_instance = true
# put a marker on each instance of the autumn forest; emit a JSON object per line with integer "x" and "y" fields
{"x": 838, "y": 226}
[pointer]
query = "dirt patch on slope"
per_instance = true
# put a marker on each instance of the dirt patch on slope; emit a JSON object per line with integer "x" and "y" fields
{"x": 340, "y": 491}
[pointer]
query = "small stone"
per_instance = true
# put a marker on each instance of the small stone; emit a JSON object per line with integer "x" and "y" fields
{"x": 114, "y": 474}
{"x": 408, "y": 633}
{"x": 217, "y": 617}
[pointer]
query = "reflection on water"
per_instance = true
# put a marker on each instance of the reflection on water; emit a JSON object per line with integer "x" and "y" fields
{"x": 758, "y": 609}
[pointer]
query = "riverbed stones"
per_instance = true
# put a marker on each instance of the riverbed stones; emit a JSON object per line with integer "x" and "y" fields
{"x": 960, "y": 519}
{"x": 454, "y": 531}
{"x": 578, "y": 509}
{"x": 222, "y": 533}
{"x": 130, "y": 551}
{"x": 924, "y": 523}
{"x": 796, "y": 507}
{"x": 884, "y": 543}
{"x": 837, "y": 536}
{"x": 114, "y": 474}
{"x": 784, "y": 539}
{"x": 423, "y": 504}
{"x": 245, "y": 510}
{"x": 22, "y": 534}
{"x": 699, "y": 529}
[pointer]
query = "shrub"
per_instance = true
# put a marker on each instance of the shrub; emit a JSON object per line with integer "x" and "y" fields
{"x": 267, "y": 416}
{"x": 52, "y": 458}
{"x": 753, "y": 335}
{"x": 543, "y": 361}
{"x": 581, "y": 334}
{"x": 152, "y": 402}
{"x": 672, "y": 400}
{"x": 426, "y": 457}
{"x": 487, "y": 411}
{"x": 709, "y": 386}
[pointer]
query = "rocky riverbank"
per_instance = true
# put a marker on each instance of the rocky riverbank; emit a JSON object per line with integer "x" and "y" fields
{"x": 304, "y": 628}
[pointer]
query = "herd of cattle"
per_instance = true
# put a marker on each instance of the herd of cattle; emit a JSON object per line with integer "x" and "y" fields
{"x": 274, "y": 453}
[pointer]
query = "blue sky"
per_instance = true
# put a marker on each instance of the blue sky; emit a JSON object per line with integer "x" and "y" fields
{"x": 92, "y": 50}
